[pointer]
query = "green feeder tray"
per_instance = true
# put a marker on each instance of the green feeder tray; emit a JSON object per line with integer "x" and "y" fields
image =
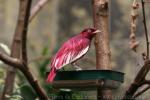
{"x": 88, "y": 79}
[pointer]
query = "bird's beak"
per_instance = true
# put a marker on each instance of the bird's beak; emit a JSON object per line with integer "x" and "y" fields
{"x": 97, "y": 31}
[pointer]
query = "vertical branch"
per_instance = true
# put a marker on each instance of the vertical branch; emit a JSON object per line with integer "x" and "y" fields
{"x": 145, "y": 28}
{"x": 26, "y": 71}
{"x": 100, "y": 15}
{"x": 19, "y": 43}
{"x": 24, "y": 31}
{"x": 15, "y": 50}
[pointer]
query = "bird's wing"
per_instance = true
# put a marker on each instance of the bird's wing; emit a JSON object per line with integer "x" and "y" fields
{"x": 71, "y": 51}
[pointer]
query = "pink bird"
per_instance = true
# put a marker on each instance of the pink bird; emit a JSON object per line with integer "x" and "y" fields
{"x": 71, "y": 51}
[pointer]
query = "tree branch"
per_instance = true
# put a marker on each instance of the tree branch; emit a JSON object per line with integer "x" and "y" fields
{"x": 40, "y": 4}
{"x": 19, "y": 51}
{"x": 15, "y": 50}
{"x": 141, "y": 92}
{"x": 10, "y": 60}
{"x": 145, "y": 28}
{"x": 26, "y": 71}
{"x": 24, "y": 33}
{"x": 34, "y": 83}
{"x": 147, "y": 82}
{"x": 16, "y": 63}
{"x": 140, "y": 77}
{"x": 138, "y": 81}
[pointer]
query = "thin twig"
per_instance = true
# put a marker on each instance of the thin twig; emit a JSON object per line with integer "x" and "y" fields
{"x": 40, "y": 4}
{"x": 141, "y": 92}
{"x": 145, "y": 28}
{"x": 24, "y": 33}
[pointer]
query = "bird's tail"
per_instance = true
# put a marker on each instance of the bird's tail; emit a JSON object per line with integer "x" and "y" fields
{"x": 51, "y": 75}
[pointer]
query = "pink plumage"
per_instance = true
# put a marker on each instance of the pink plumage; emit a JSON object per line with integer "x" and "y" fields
{"x": 71, "y": 51}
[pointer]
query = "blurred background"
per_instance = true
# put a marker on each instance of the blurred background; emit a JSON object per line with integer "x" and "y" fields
{"x": 58, "y": 21}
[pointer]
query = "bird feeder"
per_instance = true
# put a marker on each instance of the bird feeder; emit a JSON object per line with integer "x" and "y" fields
{"x": 88, "y": 79}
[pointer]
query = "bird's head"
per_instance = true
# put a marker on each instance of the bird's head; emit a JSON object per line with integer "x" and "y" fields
{"x": 89, "y": 32}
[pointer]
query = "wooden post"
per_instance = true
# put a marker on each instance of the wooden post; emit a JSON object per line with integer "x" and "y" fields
{"x": 101, "y": 18}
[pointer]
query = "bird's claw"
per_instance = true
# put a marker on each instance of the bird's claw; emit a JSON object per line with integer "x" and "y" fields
{"x": 78, "y": 69}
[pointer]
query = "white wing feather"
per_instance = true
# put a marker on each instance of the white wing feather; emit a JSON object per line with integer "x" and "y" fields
{"x": 70, "y": 57}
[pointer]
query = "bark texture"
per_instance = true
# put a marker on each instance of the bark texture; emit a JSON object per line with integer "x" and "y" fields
{"x": 101, "y": 22}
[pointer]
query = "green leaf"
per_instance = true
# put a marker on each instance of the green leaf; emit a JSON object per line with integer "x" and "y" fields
{"x": 27, "y": 93}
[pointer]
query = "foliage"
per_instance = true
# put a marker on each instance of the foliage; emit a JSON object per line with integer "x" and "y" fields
{"x": 27, "y": 93}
